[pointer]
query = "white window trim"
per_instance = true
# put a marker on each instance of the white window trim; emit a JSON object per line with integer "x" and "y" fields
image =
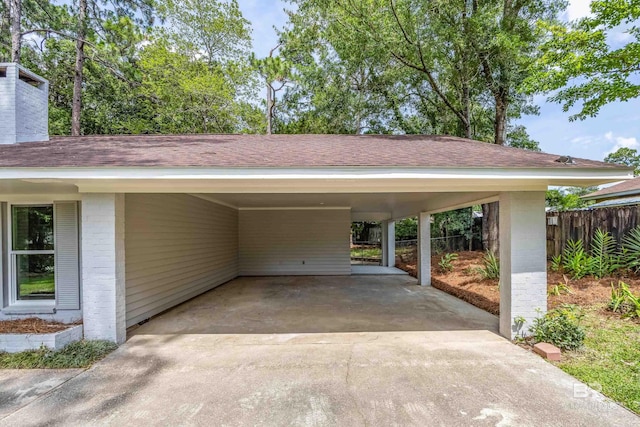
{"x": 14, "y": 302}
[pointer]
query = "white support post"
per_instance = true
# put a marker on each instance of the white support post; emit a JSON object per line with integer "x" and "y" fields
{"x": 523, "y": 261}
{"x": 390, "y": 249}
{"x": 384, "y": 243}
{"x": 424, "y": 249}
{"x": 103, "y": 267}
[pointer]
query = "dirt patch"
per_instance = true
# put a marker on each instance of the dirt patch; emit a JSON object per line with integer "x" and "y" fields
{"x": 32, "y": 325}
{"x": 465, "y": 283}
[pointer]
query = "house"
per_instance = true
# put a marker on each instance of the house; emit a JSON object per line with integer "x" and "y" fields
{"x": 626, "y": 193}
{"x": 116, "y": 229}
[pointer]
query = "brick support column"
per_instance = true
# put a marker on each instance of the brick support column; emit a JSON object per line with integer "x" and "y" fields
{"x": 523, "y": 260}
{"x": 103, "y": 274}
{"x": 424, "y": 249}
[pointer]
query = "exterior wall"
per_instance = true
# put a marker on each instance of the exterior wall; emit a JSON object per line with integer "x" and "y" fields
{"x": 24, "y": 110}
{"x": 295, "y": 242}
{"x": 177, "y": 247}
{"x": 103, "y": 284}
{"x": 523, "y": 260}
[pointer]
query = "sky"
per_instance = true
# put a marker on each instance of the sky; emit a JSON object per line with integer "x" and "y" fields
{"x": 617, "y": 125}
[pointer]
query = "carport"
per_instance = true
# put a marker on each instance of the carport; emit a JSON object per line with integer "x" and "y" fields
{"x": 163, "y": 219}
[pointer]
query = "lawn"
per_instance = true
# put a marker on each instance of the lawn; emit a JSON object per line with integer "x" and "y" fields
{"x": 366, "y": 252}
{"x": 81, "y": 354}
{"x": 610, "y": 358}
{"x": 41, "y": 284}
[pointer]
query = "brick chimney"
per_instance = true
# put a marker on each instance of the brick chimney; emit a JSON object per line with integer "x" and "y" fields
{"x": 24, "y": 109}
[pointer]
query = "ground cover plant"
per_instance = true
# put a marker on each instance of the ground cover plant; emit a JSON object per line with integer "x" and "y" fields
{"x": 80, "y": 354}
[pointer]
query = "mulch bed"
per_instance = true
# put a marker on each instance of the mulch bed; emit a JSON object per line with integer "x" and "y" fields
{"x": 31, "y": 325}
{"x": 465, "y": 283}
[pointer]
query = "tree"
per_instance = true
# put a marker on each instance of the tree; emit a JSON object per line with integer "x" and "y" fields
{"x": 563, "y": 199}
{"x": 276, "y": 72}
{"x": 625, "y": 156}
{"x": 584, "y": 66}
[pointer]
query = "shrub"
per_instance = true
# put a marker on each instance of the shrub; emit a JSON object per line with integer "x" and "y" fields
{"x": 445, "y": 263}
{"x": 560, "y": 288}
{"x": 631, "y": 250}
{"x": 556, "y": 263}
{"x": 560, "y": 327}
{"x": 624, "y": 301}
{"x": 575, "y": 260}
{"x": 603, "y": 260}
{"x": 491, "y": 267}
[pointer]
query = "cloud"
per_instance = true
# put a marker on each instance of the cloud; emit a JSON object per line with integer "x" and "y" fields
{"x": 578, "y": 9}
{"x": 621, "y": 142}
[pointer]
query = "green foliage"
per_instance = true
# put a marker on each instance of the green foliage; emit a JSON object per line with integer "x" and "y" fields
{"x": 603, "y": 260}
{"x": 80, "y": 354}
{"x": 626, "y": 156}
{"x": 560, "y": 327}
{"x": 556, "y": 263}
{"x": 564, "y": 199}
{"x": 491, "y": 266}
{"x": 583, "y": 67}
{"x": 453, "y": 223}
{"x": 560, "y": 288}
{"x": 407, "y": 229}
{"x": 446, "y": 261}
{"x": 624, "y": 301}
{"x": 630, "y": 255}
{"x": 575, "y": 260}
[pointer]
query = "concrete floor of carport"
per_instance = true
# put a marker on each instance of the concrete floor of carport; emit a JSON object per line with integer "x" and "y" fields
{"x": 316, "y": 304}
{"x": 278, "y": 351}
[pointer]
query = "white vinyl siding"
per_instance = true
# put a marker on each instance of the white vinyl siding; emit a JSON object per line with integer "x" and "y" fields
{"x": 176, "y": 247}
{"x": 67, "y": 271}
{"x": 295, "y": 242}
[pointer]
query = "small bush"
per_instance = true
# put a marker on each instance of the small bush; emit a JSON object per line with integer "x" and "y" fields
{"x": 560, "y": 288}
{"x": 445, "y": 263}
{"x": 575, "y": 260}
{"x": 630, "y": 254}
{"x": 560, "y": 327}
{"x": 556, "y": 263}
{"x": 80, "y": 354}
{"x": 491, "y": 267}
{"x": 603, "y": 260}
{"x": 624, "y": 301}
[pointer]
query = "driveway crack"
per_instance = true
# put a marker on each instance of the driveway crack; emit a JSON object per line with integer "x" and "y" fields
{"x": 351, "y": 393}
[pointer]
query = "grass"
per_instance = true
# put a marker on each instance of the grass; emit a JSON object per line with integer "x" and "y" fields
{"x": 610, "y": 358}
{"x": 80, "y": 354}
{"x": 366, "y": 253}
{"x": 41, "y": 284}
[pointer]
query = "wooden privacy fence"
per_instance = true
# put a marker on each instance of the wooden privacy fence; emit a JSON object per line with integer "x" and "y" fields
{"x": 583, "y": 224}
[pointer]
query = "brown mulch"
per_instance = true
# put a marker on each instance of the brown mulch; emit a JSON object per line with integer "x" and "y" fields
{"x": 32, "y": 325}
{"x": 465, "y": 283}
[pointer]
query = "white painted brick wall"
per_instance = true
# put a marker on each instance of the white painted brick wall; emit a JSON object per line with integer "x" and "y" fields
{"x": 103, "y": 267}
{"x": 523, "y": 259}
{"x": 24, "y": 110}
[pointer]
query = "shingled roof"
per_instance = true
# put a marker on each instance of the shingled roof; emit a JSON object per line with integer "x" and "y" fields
{"x": 625, "y": 188}
{"x": 273, "y": 151}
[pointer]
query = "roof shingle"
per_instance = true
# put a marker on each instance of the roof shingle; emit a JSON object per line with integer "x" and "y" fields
{"x": 276, "y": 151}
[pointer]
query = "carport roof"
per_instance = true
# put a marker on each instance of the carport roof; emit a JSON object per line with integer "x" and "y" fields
{"x": 278, "y": 151}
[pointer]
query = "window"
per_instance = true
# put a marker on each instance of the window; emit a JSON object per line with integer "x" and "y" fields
{"x": 32, "y": 252}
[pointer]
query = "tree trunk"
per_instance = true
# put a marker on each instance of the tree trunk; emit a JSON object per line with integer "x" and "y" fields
{"x": 490, "y": 227}
{"x": 76, "y": 106}
{"x": 16, "y": 29}
{"x": 270, "y": 104}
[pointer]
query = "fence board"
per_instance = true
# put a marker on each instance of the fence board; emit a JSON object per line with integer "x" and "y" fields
{"x": 584, "y": 223}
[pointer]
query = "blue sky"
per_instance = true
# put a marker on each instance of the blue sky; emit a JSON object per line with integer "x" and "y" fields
{"x": 617, "y": 125}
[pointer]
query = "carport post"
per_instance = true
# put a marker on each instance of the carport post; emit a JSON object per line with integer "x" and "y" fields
{"x": 424, "y": 249}
{"x": 523, "y": 260}
{"x": 103, "y": 264}
{"x": 389, "y": 243}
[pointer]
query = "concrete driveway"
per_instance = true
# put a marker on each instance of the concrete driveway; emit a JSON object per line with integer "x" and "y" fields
{"x": 459, "y": 376}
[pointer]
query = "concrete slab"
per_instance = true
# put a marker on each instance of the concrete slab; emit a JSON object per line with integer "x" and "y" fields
{"x": 18, "y": 387}
{"x": 312, "y": 304}
{"x": 375, "y": 269}
{"x": 375, "y": 378}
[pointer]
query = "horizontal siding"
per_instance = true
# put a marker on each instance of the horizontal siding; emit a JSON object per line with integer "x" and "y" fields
{"x": 294, "y": 242}
{"x": 176, "y": 247}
